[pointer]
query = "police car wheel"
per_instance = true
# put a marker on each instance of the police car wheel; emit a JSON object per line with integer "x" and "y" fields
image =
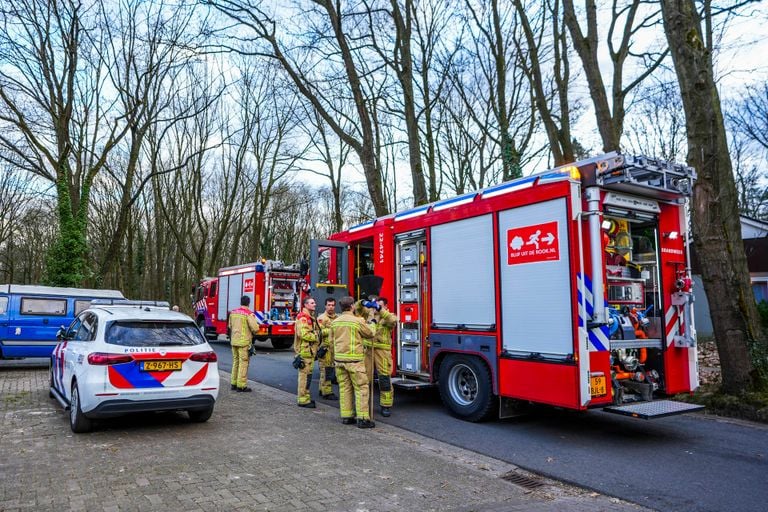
{"x": 200, "y": 416}
{"x": 77, "y": 420}
{"x": 466, "y": 388}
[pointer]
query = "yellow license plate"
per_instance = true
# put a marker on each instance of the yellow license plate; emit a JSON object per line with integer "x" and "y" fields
{"x": 161, "y": 366}
{"x": 597, "y": 386}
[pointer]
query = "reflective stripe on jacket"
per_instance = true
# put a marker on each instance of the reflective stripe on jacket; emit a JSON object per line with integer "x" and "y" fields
{"x": 242, "y": 326}
{"x": 305, "y": 337}
{"x": 348, "y": 332}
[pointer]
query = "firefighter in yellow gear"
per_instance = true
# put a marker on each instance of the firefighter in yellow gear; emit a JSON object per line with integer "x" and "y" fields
{"x": 325, "y": 361}
{"x": 378, "y": 352}
{"x": 348, "y": 332}
{"x": 305, "y": 345}
{"x": 242, "y": 327}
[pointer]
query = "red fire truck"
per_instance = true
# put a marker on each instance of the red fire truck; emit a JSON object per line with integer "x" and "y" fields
{"x": 275, "y": 291}
{"x": 569, "y": 287}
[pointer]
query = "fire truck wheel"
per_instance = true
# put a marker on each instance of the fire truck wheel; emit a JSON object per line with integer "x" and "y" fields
{"x": 466, "y": 388}
{"x": 281, "y": 343}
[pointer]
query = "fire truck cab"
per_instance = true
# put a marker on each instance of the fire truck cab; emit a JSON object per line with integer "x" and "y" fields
{"x": 569, "y": 287}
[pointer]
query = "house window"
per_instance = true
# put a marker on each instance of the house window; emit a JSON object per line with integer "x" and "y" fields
{"x": 760, "y": 289}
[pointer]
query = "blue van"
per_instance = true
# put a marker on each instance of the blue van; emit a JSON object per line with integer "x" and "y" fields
{"x": 30, "y": 316}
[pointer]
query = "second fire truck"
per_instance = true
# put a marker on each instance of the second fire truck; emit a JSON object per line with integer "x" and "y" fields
{"x": 275, "y": 290}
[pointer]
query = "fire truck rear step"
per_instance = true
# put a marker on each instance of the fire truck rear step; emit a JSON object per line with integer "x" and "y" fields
{"x": 653, "y": 410}
{"x": 412, "y": 384}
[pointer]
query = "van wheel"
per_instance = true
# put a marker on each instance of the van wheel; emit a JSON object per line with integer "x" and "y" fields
{"x": 466, "y": 388}
{"x": 281, "y": 343}
{"x": 77, "y": 420}
{"x": 200, "y": 416}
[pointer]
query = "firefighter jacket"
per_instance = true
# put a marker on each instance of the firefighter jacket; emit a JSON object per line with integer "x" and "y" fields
{"x": 305, "y": 339}
{"x": 348, "y": 332}
{"x": 385, "y": 321}
{"x": 324, "y": 321}
{"x": 242, "y": 326}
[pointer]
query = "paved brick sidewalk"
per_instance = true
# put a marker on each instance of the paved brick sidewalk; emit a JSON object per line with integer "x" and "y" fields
{"x": 258, "y": 452}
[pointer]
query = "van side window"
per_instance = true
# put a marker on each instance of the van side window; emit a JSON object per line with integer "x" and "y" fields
{"x": 47, "y": 307}
{"x": 81, "y": 305}
{"x": 3, "y": 305}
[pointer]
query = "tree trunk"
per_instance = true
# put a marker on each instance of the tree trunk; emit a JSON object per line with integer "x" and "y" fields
{"x": 716, "y": 225}
{"x": 405, "y": 76}
{"x": 586, "y": 47}
{"x": 65, "y": 262}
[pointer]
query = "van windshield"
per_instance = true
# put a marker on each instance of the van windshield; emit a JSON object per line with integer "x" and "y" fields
{"x": 153, "y": 334}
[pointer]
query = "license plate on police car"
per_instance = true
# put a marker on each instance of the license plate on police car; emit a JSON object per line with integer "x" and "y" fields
{"x": 161, "y": 366}
{"x": 597, "y": 386}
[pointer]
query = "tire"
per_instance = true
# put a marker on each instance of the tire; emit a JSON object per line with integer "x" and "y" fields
{"x": 50, "y": 383}
{"x": 200, "y": 416}
{"x": 281, "y": 343}
{"x": 77, "y": 420}
{"x": 466, "y": 388}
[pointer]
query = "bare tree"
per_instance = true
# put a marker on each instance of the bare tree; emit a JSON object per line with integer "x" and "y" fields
{"x": 716, "y": 223}
{"x": 751, "y": 179}
{"x": 433, "y": 58}
{"x": 400, "y": 21}
{"x": 15, "y": 198}
{"x": 657, "y": 126}
{"x": 333, "y": 154}
{"x": 610, "y": 114}
{"x": 84, "y": 83}
{"x": 330, "y": 45}
{"x": 57, "y": 123}
{"x": 750, "y": 115}
{"x": 747, "y": 120}
{"x": 494, "y": 28}
{"x": 467, "y": 160}
{"x": 145, "y": 55}
{"x": 542, "y": 22}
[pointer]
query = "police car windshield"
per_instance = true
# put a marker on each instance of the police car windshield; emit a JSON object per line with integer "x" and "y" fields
{"x": 153, "y": 334}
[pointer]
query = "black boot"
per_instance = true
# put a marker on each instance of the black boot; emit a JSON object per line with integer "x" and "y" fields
{"x": 365, "y": 424}
{"x": 385, "y": 412}
{"x": 348, "y": 421}
{"x": 234, "y": 387}
{"x": 310, "y": 405}
{"x": 329, "y": 396}
{"x": 244, "y": 390}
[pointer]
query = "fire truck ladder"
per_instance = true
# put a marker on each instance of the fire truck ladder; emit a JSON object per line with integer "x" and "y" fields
{"x": 640, "y": 174}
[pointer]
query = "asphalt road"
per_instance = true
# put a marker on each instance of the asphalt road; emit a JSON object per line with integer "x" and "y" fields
{"x": 683, "y": 463}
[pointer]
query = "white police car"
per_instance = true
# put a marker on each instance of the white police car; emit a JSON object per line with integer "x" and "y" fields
{"x": 120, "y": 357}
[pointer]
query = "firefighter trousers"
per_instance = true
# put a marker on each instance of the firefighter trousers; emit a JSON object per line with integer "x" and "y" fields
{"x": 381, "y": 359}
{"x": 240, "y": 359}
{"x": 303, "y": 395}
{"x": 353, "y": 389}
{"x": 326, "y": 373}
